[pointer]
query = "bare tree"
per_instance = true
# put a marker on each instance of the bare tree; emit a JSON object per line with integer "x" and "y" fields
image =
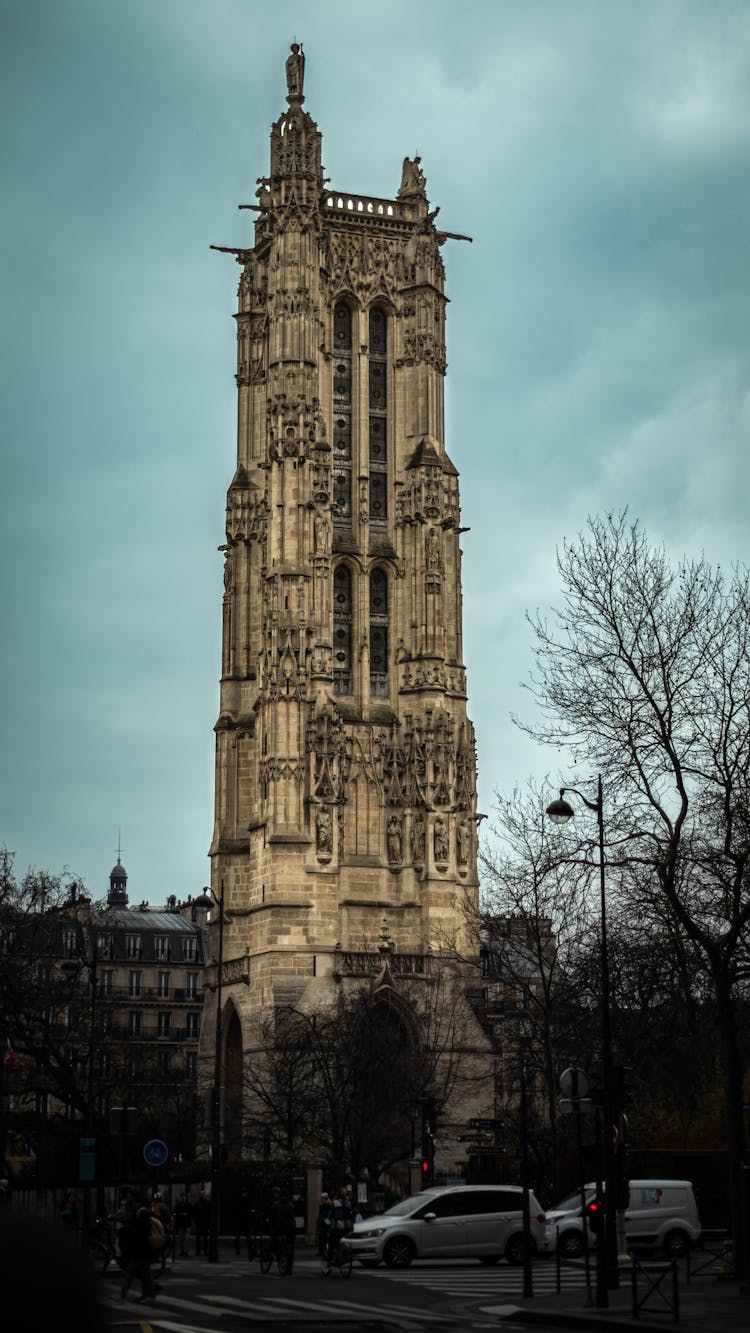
{"x": 540, "y": 979}
{"x": 345, "y": 1080}
{"x": 643, "y": 672}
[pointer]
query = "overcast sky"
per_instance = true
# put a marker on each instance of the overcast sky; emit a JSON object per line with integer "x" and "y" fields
{"x": 598, "y": 341}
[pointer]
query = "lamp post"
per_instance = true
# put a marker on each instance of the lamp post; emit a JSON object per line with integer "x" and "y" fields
{"x": 607, "y": 1276}
{"x": 213, "y": 1237}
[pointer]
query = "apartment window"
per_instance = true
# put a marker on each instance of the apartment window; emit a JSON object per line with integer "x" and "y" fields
{"x": 70, "y": 943}
{"x": 192, "y": 1025}
{"x": 342, "y": 415}
{"x": 104, "y": 1064}
{"x": 105, "y": 944}
{"x": 191, "y": 984}
{"x": 188, "y": 950}
{"x": 161, "y": 947}
{"x": 134, "y": 1023}
{"x": 163, "y": 985}
{"x": 342, "y": 630}
{"x": 378, "y": 420}
{"x": 133, "y": 946}
{"x": 135, "y": 985}
{"x": 191, "y": 1064}
{"x": 163, "y": 1023}
{"x": 41, "y": 1103}
{"x": 163, "y": 1063}
{"x": 105, "y": 1022}
{"x": 106, "y": 982}
{"x": 378, "y": 632}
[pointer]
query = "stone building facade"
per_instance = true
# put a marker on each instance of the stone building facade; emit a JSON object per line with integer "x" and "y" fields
{"x": 345, "y": 786}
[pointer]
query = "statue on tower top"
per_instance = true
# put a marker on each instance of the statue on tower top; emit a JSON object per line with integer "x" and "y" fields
{"x": 295, "y": 74}
{"x": 412, "y": 178}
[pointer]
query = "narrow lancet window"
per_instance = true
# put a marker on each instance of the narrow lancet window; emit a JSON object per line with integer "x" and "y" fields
{"x": 378, "y": 419}
{"x": 342, "y": 631}
{"x": 342, "y": 415}
{"x": 378, "y": 632}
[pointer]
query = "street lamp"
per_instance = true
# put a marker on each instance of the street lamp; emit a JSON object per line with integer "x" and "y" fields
{"x": 607, "y": 1275}
{"x": 210, "y": 899}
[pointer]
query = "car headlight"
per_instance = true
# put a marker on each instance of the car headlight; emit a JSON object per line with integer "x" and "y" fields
{"x": 369, "y": 1235}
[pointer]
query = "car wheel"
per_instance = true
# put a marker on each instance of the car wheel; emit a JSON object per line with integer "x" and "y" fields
{"x": 515, "y": 1249}
{"x": 398, "y": 1252}
{"x": 489, "y": 1259}
{"x": 570, "y": 1245}
{"x": 676, "y": 1244}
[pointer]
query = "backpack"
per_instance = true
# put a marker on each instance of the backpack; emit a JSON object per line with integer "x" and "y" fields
{"x": 156, "y": 1236}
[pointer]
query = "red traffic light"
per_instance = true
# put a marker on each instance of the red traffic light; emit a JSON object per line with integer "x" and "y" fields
{"x": 425, "y": 1166}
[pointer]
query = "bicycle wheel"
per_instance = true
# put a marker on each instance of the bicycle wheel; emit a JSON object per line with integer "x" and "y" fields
{"x": 282, "y": 1263}
{"x": 265, "y": 1258}
{"x": 325, "y": 1263}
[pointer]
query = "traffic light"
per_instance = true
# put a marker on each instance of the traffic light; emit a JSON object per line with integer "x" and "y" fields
{"x": 428, "y": 1143}
{"x": 595, "y": 1215}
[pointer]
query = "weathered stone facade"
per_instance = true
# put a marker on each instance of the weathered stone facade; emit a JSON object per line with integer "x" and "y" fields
{"x": 345, "y": 760}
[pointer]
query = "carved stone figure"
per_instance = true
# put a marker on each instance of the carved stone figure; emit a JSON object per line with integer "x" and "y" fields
{"x": 462, "y": 843}
{"x": 441, "y": 839}
{"x": 412, "y": 177}
{"x": 322, "y": 533}
{"x": 432, "y": 551}
{"x": 295, "y": 71}
{"x": 394, "y": 839}
{"x": 324, "y": 830}
{"x": 417, "y": 838}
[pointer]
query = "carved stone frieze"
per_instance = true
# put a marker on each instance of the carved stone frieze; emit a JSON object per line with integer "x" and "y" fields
{"x": 367, "y": 263}
{"x": 433, "y": 675}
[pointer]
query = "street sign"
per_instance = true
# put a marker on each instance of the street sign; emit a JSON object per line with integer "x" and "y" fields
{"x": 87, "y": 1160}
{"x": 573, "y": 1083}
{"x": 155, "y": 1152}
{"x": 486, "y": 1124}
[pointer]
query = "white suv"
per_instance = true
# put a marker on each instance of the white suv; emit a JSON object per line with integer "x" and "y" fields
{"x": 450, "y": 1222}
{"x": 660, "y": 1213}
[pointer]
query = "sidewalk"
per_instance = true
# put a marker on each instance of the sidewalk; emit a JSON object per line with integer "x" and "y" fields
{"x": 706, "y": 1305}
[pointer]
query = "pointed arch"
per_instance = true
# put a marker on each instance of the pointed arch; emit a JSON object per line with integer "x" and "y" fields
{"x": 342, "y": 413}
{"x": 342, "y": 629}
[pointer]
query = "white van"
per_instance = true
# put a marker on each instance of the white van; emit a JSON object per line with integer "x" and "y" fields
{"x": 483, "y": 1222}
{"x": 660, "y": 1213}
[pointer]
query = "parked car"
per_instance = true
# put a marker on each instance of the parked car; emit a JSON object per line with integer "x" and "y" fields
{"x": 451, "y": 1222}
{"x": 660, "y": 1214}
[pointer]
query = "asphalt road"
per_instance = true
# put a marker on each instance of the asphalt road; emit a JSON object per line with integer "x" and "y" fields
{"x": 198, "y": 1297}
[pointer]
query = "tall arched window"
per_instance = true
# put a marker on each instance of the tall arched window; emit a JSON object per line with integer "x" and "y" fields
{"x": 342, "y": 415}
{"x": 342, "y": 631}
{"x": 378, "y": 632}
{"x": 378, "y": 419}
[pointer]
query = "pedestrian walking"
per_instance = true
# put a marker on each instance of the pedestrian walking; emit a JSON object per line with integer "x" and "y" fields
{"x": 244, "y": 1222}
{"x": 135, "y": 1240}
{"x": 201, "y": 1212}
{"x": 325, "y": 1228}
{"x": 282, "y": 1226}
{"x": 181, "y": 1219}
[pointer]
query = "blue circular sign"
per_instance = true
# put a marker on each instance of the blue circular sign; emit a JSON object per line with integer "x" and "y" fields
{"x": 155, "y": 1152}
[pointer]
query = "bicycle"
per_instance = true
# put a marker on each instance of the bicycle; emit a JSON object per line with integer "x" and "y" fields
{"x": 272, "y": 1249}
{"x": 103, "y": 1244}
{"x": 336, "y": 1255}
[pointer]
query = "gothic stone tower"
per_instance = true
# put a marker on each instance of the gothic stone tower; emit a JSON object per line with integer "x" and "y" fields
{"x": 345, "y": 761}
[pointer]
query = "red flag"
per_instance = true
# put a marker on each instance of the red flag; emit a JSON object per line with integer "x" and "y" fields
{"x": 9, "y": 1055}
